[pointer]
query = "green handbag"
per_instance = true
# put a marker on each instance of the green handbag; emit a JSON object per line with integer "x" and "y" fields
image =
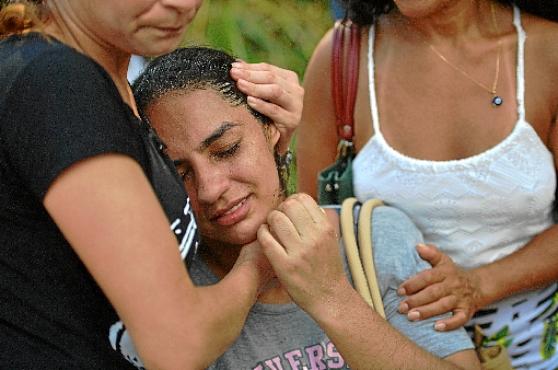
{"x": 335, "y": 182}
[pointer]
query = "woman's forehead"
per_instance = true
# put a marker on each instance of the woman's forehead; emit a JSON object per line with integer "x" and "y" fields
{"x": 197, "y": 114}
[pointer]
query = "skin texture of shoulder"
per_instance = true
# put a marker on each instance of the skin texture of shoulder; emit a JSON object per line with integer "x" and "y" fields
{"x": 541, "y": 76}
{"x": 317, "y": 129}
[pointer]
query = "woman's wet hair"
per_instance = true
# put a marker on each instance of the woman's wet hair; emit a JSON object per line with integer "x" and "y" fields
{"x": 20, "y": 17}
{"x": 195, "y": 68}
{"x": 189, "y": 69}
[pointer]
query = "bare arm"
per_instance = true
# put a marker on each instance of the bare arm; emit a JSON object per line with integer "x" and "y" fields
{"x": 303, "y": 250}
{"x": 349, "y": 323}
{"x": 109, "y": 213}
{"x": 447, "y": 287}
{"x": 317, "y": 137}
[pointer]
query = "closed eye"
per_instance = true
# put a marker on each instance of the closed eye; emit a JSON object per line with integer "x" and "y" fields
{"x": 183, "y": 170}
{"x": 185, "y": 173}
{"x": 228, "y": 152}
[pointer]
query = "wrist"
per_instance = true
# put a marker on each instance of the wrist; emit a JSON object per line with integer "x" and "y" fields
{"x": 483, "y": 287}
{"x": 331, "y": 309}
{"x": 246, "y": 281}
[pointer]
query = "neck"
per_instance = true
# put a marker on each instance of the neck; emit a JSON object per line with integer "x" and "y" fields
{"x": 456, "y": 22}
{"x": 220, "y": 257}
{"x": 62, "y": 26}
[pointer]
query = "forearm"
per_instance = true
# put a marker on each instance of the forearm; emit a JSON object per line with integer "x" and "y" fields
{"x": 372, "y": 342}
{"x": 533, "y": 266}
{"x": 207, "y": 327}
{"x": 310, "y": 268}
{"x": 173, "y": 324}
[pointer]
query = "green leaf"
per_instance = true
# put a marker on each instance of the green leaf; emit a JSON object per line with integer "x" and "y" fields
{"x": 548, "y": 343}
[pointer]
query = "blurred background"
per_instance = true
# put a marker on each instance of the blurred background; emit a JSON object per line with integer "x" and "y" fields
{"x": 282, "y": 32}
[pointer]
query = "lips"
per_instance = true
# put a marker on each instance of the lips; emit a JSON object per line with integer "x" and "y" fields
{"x": 235, "y": 212}
{"x": 171, "y": 30}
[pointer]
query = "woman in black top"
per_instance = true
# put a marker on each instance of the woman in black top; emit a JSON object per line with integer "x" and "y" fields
{"x": 87, "y": 194}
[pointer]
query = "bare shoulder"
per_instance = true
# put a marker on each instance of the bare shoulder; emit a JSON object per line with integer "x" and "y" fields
{"x": 542, "y": 39}
{"x": 321, "y": 57}
{"x": 541, "y": 68}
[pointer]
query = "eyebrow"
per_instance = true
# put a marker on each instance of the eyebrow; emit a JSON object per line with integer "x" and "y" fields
{"x": 217, "y": 134}
{"x": 214, "y": 136}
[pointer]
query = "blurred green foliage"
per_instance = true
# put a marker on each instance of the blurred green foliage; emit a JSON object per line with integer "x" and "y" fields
{"x": 281, "y": 32}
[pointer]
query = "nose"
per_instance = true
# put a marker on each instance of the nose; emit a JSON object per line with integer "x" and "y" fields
{"x": 183, "y": 6}
{"x": 211, "y": 184}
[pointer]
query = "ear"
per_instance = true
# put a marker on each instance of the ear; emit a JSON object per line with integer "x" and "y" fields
{"x": 274, "y": 134}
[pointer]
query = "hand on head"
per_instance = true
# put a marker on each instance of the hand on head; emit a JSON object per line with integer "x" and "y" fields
{"x": 274, "y": 92}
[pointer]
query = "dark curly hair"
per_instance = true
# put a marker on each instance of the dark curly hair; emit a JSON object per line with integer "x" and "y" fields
{"x": 364, "y": 12}
{"x": 189, "y": 69}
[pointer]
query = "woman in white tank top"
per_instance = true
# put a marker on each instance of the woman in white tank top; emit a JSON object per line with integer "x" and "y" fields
{"x": 455, "y": 123}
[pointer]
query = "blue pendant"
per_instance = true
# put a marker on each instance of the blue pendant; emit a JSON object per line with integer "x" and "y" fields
{"x": 497, "y": 101}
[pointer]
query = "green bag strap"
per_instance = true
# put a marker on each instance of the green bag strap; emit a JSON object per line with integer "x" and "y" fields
{"x": 360, "y": 256}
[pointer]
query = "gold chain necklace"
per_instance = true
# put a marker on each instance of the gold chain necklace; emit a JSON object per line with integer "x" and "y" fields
{"x": 496, "y": 99}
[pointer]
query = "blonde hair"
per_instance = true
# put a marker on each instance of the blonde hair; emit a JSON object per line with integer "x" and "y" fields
{"x": 20, "y": 17}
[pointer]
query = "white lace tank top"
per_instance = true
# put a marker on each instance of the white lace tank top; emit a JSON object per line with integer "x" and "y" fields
{"x": 477, "y": 209}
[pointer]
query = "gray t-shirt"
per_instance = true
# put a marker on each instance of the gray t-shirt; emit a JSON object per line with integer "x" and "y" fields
{"x": 284, "y": 337}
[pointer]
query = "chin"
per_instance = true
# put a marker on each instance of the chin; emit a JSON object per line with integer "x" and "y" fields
{"x": 240, "y": 237}
{"x": 155, "y": 52}
{"x": 416, "y": 9}
{"x": 231, "y": 236}
{"x": 154, "y": 48}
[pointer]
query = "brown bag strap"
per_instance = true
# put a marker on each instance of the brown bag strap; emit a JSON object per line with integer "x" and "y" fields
{"x": 344, "y": 78}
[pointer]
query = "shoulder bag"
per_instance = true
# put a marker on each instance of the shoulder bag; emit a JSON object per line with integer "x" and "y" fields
{"x": 335, "y": 182}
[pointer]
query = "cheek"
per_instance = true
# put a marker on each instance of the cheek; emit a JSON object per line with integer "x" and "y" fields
{"x": 267, "y": 175}
{"x": 193, "y": 197}
{"x": 261, "y": 159}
